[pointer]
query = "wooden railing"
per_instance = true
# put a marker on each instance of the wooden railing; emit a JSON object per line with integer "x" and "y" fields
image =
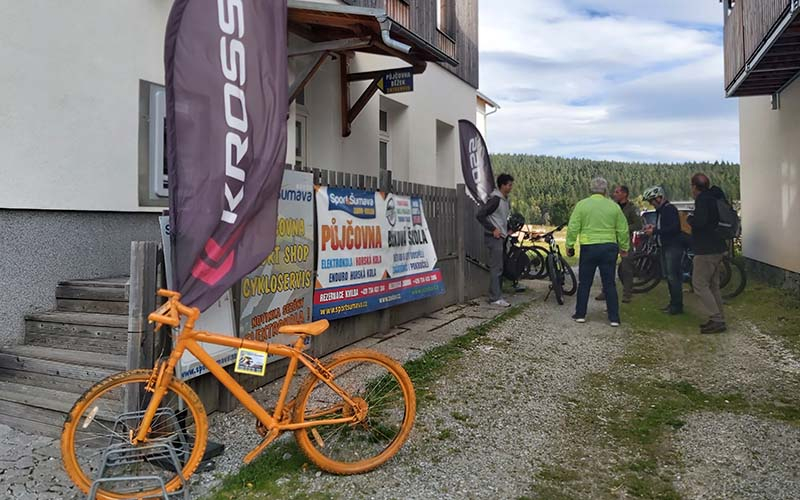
{"x": 748, "y": 25}
{"x": 399, "y": 11}
{"x": 445, "y": 44}
{"x": 760, "y": 18}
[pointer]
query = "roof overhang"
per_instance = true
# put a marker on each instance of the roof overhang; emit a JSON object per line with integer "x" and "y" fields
{"x": 486, "y": 99}
{"x": 322, "y": 22}
{"x": 776, "y": 64}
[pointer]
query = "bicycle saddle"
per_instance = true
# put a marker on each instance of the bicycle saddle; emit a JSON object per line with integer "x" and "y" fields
{"x": 314, "y": 328}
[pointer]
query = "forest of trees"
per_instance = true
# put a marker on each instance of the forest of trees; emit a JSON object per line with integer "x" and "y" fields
{"x": 547, "y": 187}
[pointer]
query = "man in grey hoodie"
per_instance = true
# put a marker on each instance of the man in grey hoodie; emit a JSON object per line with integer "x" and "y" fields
{"x": 493, "y": 216}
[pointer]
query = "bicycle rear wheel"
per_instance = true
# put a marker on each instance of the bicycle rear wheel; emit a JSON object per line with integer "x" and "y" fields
{"x": 538, "y": 258}
{"x": 100, "y": 420}
{"x": 382, "y": 393}
{"x": 555, "y": 279}
{"x": 736, "y": 279}
{"x": 646, "y": 272}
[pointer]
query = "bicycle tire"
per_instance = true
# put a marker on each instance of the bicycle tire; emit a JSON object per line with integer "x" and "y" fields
{"x": 555, "y": 279}
{"x": 568, "y": 276}
{"x": 92, "y": 398}
{"x": 321, "y": 455}
{"x": 538, "y": 265}
{"x": 647, "y": 272}
{"x": 735, "y": 267}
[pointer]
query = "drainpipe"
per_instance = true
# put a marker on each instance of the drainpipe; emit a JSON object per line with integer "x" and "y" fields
{"x": 386, "y": 36}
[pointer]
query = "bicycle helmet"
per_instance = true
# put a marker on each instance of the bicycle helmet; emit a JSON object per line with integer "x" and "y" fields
{"x": 653, "y": 193}
{"x": 516, "y": 222}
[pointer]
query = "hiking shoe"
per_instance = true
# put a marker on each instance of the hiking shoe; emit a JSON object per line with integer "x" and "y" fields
{"x": 675, "y": 312}
{"x": 627, "y": 299}
{"x": 578, "y": 320}
{"x": 614, "y": 324}
{"x": 501, "y": 303}
{"x": 706, "y": 324}
{"x": 714, "y": 327}
{"x": 602, "y": 296}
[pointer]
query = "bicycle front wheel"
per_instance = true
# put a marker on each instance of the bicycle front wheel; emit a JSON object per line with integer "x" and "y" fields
{"x": 568, "y": 281}
{"x": 555, "y": 279}
{"x": 538, "y": 258}
{"x": 104, "y": 418}
{"x": 383, "y": 396}
{"x": 735, "y": 280}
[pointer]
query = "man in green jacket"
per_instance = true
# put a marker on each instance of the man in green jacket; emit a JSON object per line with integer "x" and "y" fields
{"x": 622, "y": 197}
{"x": 600, "y": 226}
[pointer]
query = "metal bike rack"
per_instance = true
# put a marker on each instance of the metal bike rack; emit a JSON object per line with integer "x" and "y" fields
{"x": 163, "y": 452}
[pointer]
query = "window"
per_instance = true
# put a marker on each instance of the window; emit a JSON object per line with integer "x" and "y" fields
{"x": 153, "y": 182}
{"x": 443, "y": 15}
{"x": 384, "y": 141}
{"x": 300, "y": 146}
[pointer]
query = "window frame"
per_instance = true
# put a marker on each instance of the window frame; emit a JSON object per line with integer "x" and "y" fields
{"x": 152, "y": 164}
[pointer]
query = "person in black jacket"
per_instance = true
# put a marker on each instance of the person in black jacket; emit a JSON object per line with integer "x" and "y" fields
{"x": 709, "y": 250}
{"x": 670, "y": 239}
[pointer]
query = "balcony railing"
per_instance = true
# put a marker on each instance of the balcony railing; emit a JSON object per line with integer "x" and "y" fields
{"x": 445, "y": 44}
{"x": 399, "y": 11}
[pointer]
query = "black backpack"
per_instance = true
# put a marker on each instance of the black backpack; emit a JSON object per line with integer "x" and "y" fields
{"x": 515, "y": 261}
{"x": 729, "y": 226}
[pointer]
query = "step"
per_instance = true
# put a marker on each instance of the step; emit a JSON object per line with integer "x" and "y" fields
{"x": 48, "y": 331}
{"x": 68, "y": 290}
{"x": 111, "y": 282}
{"x": 50, "y": 399}
{"x": 92, "y": 306}
{"x": 59, "y": 369}
{"x": 37, "y": 421}
{"x": 81, "y": 318}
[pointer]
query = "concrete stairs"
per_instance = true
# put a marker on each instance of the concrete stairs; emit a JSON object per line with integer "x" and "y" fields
{"x": 64, "y": 353}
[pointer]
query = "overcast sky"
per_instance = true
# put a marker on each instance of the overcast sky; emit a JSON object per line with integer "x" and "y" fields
{"x": 607, "y": 79}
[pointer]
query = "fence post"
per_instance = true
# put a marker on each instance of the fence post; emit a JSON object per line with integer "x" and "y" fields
{"x": 141, "y": 338}
{"x": 461, "y": 199}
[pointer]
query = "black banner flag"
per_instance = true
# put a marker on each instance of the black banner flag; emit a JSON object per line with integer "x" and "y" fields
{"x": 226, "y": 80}
{"x": 475, "y": 162}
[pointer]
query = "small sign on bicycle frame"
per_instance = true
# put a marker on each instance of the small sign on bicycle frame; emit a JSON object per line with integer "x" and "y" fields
{"x": 250, "y": 362}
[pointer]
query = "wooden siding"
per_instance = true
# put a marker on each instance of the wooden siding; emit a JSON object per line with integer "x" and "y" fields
{"x": 760, "y": 18}
{"x": 400, "y": 11}
{"x": 734, "y": 44}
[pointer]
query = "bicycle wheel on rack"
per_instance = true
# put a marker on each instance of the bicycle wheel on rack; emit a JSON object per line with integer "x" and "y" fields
{"x": 381, "y": 391}
{"x": 568, "y": 281}
{"x": 555, "y": 279}
{"x": 538, "y": 258}
{"x": 646, "y": 272}
{"x": 735, "y": 279}
{"x": 100, "y": 421}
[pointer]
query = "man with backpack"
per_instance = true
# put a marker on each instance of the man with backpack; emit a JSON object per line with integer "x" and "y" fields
{"x": 493, "y": 216}
{"x": 713, "y": 222}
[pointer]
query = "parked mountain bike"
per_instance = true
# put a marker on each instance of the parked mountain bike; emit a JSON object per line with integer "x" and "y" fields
{"x": 648, "y": 274}
{"x": 350, "y": 414}
{"x": 562, "y": 277}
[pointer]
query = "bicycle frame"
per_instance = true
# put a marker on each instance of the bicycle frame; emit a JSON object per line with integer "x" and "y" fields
{"x": 190, "y": 339}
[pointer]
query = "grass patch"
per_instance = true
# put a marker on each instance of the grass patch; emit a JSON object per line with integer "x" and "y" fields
{"x": 269, "y": 476}
{"x": 774, "y": 311}
{"x": 644, "y": 313}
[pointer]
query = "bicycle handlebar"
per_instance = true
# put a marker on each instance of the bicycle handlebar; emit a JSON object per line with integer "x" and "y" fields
{"x": 538, "y": 237}
{"x": 170, "y": 313}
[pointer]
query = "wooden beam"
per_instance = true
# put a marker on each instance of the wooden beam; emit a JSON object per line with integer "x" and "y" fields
{"x": 363, "y": 100}
{"x": 344, "y": 90}
{"x": 333, "y": 46}
{"x": 306, "y": 76}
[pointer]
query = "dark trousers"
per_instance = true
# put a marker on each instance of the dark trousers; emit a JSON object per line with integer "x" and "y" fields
{"x": 671, "y": 266}
{"x": 594, "y": 257}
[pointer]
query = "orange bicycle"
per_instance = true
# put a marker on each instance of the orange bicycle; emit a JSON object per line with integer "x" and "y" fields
{"x": 350, "y": 415}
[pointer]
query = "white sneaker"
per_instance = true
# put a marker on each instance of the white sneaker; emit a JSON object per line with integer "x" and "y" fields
{"x": 614, "y": 324}
{"x": 501, "y": 303}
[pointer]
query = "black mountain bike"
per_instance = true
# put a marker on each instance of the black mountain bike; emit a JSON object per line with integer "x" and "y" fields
{"x": 648, "y": 274}
{"x": 550, "y": 262}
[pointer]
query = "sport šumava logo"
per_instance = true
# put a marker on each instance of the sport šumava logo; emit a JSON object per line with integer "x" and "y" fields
{"x": 360, "y": 204}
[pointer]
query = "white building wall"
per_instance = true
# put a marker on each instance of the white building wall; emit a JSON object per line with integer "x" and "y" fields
{"x": 70, "y": 114}
{"x": 770, "y": 179}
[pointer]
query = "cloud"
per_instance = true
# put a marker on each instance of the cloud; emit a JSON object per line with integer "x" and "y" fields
{"x": 613, "y": 79}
